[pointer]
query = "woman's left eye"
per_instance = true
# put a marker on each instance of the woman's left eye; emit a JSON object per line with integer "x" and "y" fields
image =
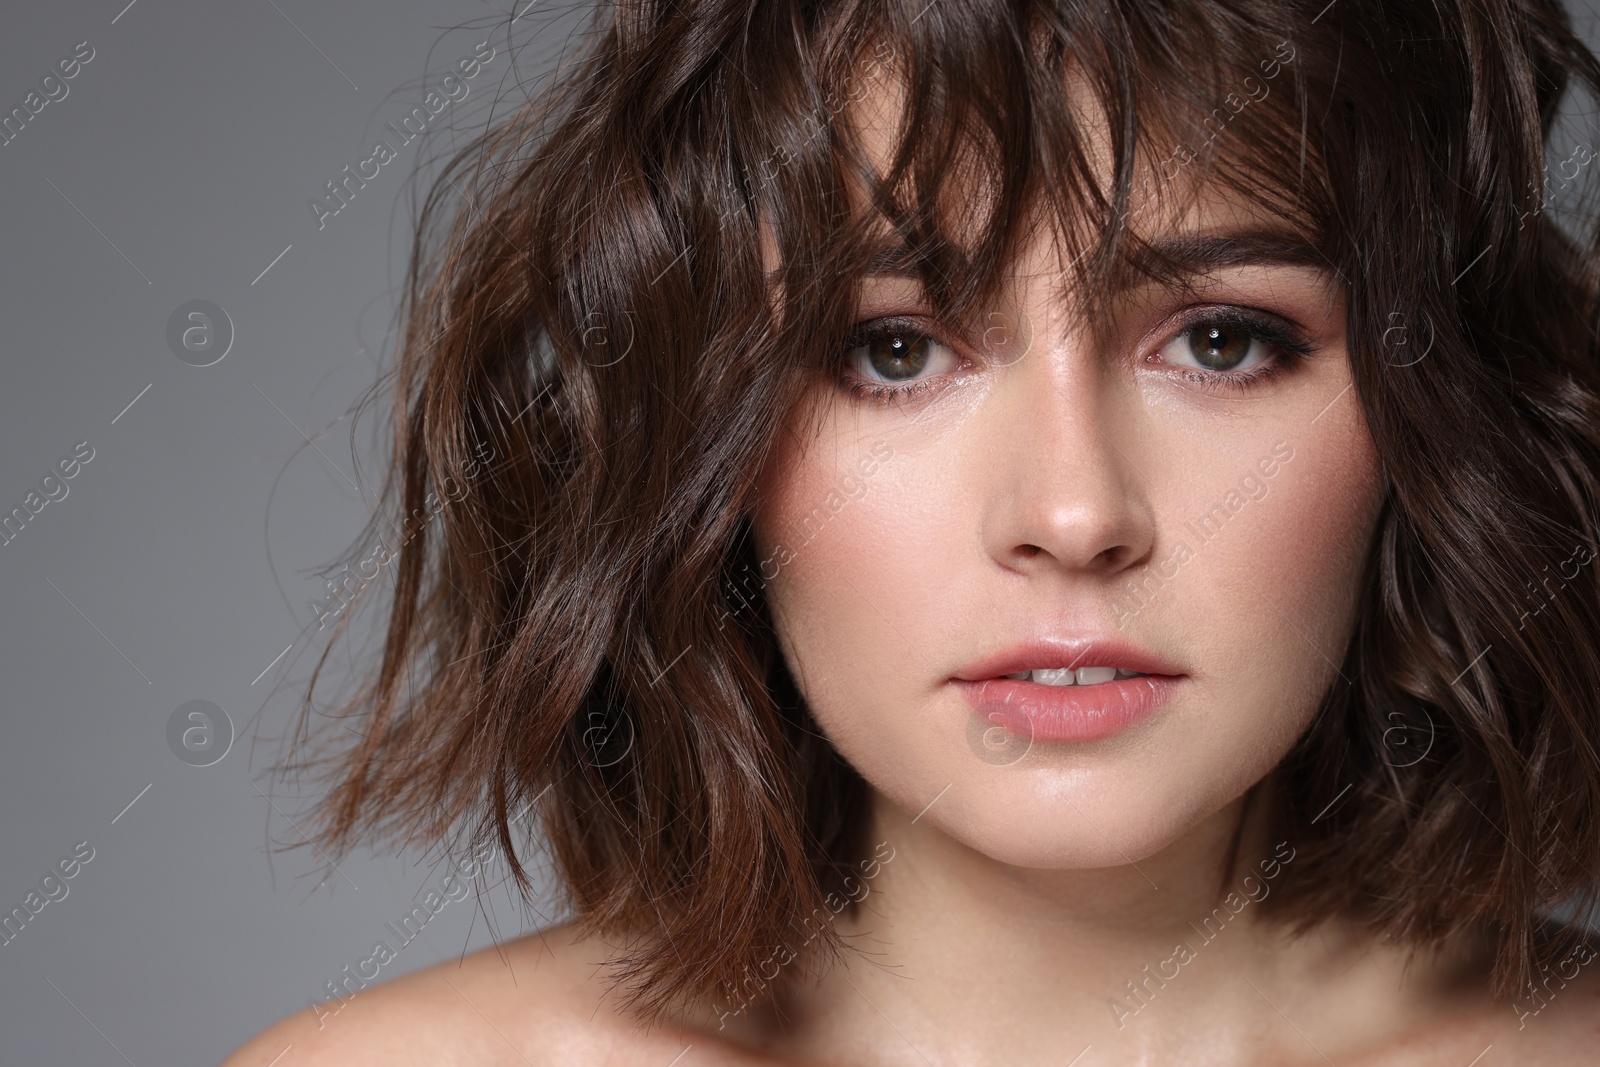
{"x": 891, "y": 359}
{"x": 1215, "y": 346}
{"x": 1232, "y": 345}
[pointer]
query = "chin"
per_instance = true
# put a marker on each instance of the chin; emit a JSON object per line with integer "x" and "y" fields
{"x": 1106, "y": 803}
{"x": 1077, "y": 820}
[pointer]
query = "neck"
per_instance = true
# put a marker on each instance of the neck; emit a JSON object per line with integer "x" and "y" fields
{"x": 995, "y": 963}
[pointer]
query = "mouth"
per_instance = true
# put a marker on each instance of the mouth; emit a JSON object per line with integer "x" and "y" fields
{"x": 1074, "y": 675}
{"x": 1068, "y": 690}
{"x": 1069, "y": 661}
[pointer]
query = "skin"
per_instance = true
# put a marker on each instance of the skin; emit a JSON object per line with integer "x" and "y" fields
{"x": 1022, "y": 494}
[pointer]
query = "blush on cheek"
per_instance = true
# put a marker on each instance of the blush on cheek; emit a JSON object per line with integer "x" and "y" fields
{"x": 854, "y": 603}
{"x": 842, "y": 540}
{"x": 1300, "y": 561}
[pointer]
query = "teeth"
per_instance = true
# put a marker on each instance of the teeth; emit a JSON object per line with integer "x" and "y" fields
{"x": 1069, "y": 676}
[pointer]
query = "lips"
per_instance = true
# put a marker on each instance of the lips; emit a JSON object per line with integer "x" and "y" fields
{"x": 1073, "y": 653}
{"x": 1101, "y": 707}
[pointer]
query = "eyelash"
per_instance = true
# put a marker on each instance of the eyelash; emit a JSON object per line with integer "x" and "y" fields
{"x": 1288, "y": 346}
{"x": 1287, "y": 343}
{"x": 874, "y": 392}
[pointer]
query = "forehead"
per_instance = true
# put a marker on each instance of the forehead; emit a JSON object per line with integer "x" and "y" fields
{"x": 1170, "y": 196}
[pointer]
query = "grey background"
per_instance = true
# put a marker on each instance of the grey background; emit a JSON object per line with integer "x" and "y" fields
{"x": 182, "y": 556}
{"x": 180, "y": 564}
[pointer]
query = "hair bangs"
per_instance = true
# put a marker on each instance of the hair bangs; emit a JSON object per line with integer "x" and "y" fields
{"x": 938, "y": 141}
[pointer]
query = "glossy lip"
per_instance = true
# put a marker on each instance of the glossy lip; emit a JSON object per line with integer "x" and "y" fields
{"x": 1053, "y": 713}
{"x": 1071, "y": 652}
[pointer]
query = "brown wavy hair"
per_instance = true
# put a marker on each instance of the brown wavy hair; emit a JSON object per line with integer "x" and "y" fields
{"x": 593, "y": 367}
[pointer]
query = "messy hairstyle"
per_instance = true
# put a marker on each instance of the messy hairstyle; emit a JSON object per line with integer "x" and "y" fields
{"x": 593, "y": 367}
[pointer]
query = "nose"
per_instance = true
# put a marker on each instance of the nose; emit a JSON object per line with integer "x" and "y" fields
{"x": 1066, "y": 495}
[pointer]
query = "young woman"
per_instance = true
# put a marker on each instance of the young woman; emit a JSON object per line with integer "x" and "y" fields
{"x": 1015, "y": 533}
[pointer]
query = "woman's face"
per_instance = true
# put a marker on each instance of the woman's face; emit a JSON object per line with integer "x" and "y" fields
{"x": 1169, "y": 491}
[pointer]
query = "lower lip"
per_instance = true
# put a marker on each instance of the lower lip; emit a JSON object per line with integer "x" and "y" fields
{"x": 1068, "y": 712}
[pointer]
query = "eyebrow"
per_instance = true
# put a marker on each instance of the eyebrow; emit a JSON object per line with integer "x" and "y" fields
{"x": 1194, "y": 254}
{"x": 894, "y": 259}
{"x": 1200, "y": 253}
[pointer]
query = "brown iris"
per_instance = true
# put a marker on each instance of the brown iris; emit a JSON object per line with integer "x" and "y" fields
{"x": 1218, "y": 347}
{"x": 898, "y": 356}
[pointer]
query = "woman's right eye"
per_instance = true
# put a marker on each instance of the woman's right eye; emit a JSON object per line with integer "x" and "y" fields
{"x": 888, "y": 353}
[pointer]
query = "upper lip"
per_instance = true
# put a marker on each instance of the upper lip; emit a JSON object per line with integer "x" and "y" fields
{"x": 1055, "y": 653}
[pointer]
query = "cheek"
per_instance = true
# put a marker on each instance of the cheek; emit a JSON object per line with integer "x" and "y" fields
{"x": 860, "y": 603}
{"x": 1284, "y": 575}
{"x": 878, "y": 521}
{"x": 1266, "y": 607}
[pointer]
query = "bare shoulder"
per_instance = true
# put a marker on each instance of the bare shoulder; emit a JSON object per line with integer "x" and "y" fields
{"x": 538, "y": 1000}
{"x": 1554, "y": 1023}
{"x": 1557, "y": 1021}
